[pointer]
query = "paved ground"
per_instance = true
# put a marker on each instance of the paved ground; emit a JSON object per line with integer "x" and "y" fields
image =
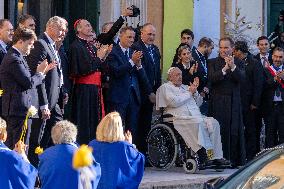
{"x": 176, "y": 178}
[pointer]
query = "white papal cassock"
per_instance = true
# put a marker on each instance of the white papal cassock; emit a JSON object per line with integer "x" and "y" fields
{"x": 196, "y": 130}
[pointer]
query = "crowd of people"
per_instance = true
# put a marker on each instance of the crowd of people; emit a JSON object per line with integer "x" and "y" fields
{"x": 110, "y": 83}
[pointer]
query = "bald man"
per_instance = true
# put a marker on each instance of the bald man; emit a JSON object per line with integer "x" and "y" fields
{"x": 151, "y": 63}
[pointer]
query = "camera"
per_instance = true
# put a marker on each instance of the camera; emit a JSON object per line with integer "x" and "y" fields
{"x": 136, "y": 11}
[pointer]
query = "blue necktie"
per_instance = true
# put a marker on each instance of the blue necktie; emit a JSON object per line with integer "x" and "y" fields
{"x": 151, "y": 53}
{"x": 277, "y": 92}
{"x": 126, "y": 55}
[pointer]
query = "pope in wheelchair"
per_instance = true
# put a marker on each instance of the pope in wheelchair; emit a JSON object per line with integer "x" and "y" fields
{"x": 197, "y": 134}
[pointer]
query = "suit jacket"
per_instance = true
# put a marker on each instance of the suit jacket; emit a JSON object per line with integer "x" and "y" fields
{"x": 18, "y": 84}
{"x": 122, "y": 76}
{"x": 107, "y": 38}
{"x": 257, "y": 57}
{"x": 201, "y": 72}
{"x": 251, "y": 88}
{"x": 2, "y": 54}
{"x": 224, "y": 84}
{"x": 48, "y": 91}
{"x": 65, "y": 70}
{"x": 151, "y": 67}
{"x": 269, "y": 92}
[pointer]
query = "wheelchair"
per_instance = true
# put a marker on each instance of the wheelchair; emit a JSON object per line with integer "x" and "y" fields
{"x": 166, "y": 147}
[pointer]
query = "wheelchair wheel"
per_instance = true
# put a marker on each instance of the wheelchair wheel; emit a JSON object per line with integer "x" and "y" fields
{"x": 190, "y": 166}
{"x": 162, "y": 146}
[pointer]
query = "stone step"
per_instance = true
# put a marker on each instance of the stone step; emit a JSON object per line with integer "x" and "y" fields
{"x": 176, "y": 178}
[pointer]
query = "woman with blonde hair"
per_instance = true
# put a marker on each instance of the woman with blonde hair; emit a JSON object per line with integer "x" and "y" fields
{"x": 121, "y": 164}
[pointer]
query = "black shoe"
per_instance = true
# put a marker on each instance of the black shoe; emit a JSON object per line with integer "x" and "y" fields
{"x": 221, "y": 161}
{"x": 208, "y": 164}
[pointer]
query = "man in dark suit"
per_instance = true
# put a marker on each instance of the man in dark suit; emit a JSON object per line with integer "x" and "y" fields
{"x": 109, "y": 36}
{"x": 49, "y": 91}
{"x": 264, "y": 54}
{"x": 126, "y": 72}
{"x": 200, "y": 55}
{"x": 273, "y": 96}
{"x": 6, "y": 34}
{"x": 18, "y": 84}
{"x": 265, "y": 58}
{"x": 151, "y": 64}
{"x": 67, "y": 83}
{"x": 225, "y": 74}
{"x": 251, "y": 90}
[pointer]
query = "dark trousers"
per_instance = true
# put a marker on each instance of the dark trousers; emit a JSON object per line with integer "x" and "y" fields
{"x": 56, "y": 115}
{"x": 144, "y": 125}
{"x": 204, "y": 108}
{"x": 274, "y": 125}
{"x": 129, "y": 112}
{"x": 252, "y": 133}
{"x": 14, "y": 130}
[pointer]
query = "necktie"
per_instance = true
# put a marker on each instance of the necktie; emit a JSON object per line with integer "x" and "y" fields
{"x": 203, "y": 62}
{"x": 150, "y": 50}
{"x": 277, "y": 69}
{"x": 264, "y": 61}
{"x": 126, "y": 55}
{"x": 57, "y": 59}
{"x": 277, "y": 92}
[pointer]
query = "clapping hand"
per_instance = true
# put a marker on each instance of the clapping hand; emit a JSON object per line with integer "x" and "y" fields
{"x": 128, "y": 136}
{"x": 136, "y": 58}
{"x": 230, "y": 62}
{"x": 103, "y": 51}
{"x": 193, "y": 68}
{"x": 193, "y": 86}
{"x": 280, "y": 75}
{"x": 44, "y": 67}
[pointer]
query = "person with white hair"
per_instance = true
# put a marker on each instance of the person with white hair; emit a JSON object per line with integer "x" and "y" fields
{"x": 52, "y": 87}
{"x": 55, "y": 163}
{"x": 15, "y": 169}
{"x": 122, "y": 164}
{"x": 200, "y": 133}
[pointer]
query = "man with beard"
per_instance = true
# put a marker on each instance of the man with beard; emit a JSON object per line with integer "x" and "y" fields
{"x": 251, "y": 90}
{"x": 201, "y": 54}
{"x": 86, "y": 67}
{"x": 273, "y": 95}
{"x": 225, "y": 74}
